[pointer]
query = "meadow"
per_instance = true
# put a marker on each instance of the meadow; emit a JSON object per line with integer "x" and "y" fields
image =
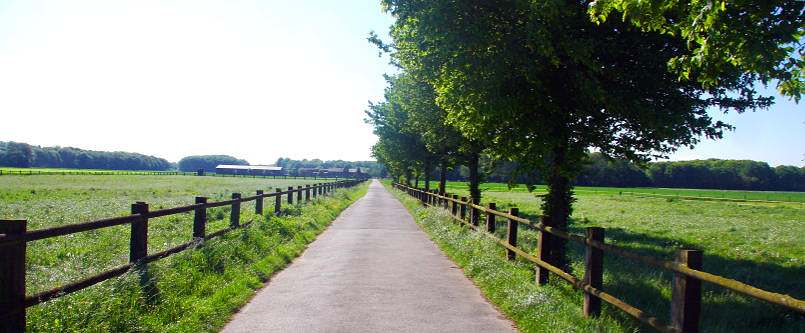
{"x": 737, "y": 195}
{"x": 757, "y": 243}
{"x": 218, "y": 276}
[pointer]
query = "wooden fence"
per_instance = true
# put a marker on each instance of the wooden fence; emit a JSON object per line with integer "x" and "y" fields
{"x": 14, "y": 238}
{"x": 10, "y": 172}
{"x": 688, "y": 276}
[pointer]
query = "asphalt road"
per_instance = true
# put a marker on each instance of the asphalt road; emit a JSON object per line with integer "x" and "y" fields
{"x": 372, "y": 270}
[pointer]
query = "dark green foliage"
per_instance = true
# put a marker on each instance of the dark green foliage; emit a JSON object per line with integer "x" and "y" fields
{"x": 207, "y": 162}
{"x": 16, "y": 154}
{"x": 372, "y": 168}
{"x": 600, "y": 171}
{"x": 726, "y": 174}
{"x": 746, "y": 39}
{"x": 23, "y": 155}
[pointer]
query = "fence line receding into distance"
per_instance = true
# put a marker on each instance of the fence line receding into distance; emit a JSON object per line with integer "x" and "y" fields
{"x": 688, "y": 276}
{"x": 14, "y": 237}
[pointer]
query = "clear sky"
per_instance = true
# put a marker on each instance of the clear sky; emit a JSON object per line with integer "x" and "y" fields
{"x": 254, "y": 79}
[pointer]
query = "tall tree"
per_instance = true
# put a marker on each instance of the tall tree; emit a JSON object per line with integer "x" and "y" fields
{"x": 399, "y": 146}
{"x": 755, "y": 40}
{"x": 543, "y": 84}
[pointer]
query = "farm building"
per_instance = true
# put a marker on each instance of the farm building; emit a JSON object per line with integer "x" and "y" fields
{"x": 356, "y": 173}
{"x": 308, "y": 172}
{"x": 257, "y": 170}
{"x": 331, "y": 172}
{"x": 334, "y": 173}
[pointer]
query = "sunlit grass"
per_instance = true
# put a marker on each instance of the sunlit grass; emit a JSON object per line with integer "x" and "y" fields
{"x": 198, "y": 289}
{"x": 760, "y": 244}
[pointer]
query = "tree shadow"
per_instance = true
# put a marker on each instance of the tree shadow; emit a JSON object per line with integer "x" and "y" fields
{"x": 649, "y": 288}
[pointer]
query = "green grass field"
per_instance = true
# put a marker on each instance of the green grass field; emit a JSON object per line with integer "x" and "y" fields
{"x": 757, "y": 243}
{"x": 235, "y": 263}
{"x": 715, "y": 194}
{"x": 24, "y": 171}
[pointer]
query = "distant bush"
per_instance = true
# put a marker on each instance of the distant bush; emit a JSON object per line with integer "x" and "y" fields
{"x": 207, "y": 162}
{"x": 23, "y": 155}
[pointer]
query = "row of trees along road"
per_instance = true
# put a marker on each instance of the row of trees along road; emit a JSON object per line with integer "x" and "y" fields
{"x": 544, "y": 82}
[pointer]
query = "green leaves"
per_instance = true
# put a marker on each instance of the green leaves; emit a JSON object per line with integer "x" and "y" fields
{"x": 754, "y": 40}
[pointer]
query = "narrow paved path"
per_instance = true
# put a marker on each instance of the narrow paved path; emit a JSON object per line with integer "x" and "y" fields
{"x": 373, "y": 270}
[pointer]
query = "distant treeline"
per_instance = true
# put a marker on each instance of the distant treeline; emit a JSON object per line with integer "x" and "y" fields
{"x": 23, "y": 155}
{"x": 710, "y": 174}
{"x": 372, "y": 168}
{"x": 208, "y": 162}
{"x": 703, "y": 174}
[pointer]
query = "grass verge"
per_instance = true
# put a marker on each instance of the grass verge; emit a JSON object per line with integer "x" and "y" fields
{"x": 557, "y": 307}
{"x": 199, "y": 289}
{"x": 508, "y": 284}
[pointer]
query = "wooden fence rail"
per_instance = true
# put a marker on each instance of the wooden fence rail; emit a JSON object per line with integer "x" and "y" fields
{"x": 688, "y": 276}
{"x": 7, "y": 172}
{"x": 14, "y": 237}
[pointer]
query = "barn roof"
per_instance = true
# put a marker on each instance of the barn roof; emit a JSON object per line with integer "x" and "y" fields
{"x": 249, "y": 167}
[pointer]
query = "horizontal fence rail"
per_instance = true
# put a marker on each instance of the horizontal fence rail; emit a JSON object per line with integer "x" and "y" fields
{"x": 286, "y": 175}
{"x": 14, "y": 237}
{"x": 686, "y": 293}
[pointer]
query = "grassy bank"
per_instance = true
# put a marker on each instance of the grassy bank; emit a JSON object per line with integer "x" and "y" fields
{"x": 196, "y": 290}
{"x": 757, "y": 244}
{"x": 508, "y": 284}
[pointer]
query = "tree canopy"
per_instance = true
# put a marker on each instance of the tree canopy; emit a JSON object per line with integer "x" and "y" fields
{"x": 544, "y": 83}
{"x": 752, "y": 40}
{"x": 23, "y": 155}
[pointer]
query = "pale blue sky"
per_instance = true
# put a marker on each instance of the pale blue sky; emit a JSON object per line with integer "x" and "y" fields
{"x": 254, "y": 79}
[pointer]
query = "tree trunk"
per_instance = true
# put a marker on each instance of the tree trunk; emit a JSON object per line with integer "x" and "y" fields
{"x": 416, "y": 180}
{"x": 427, "y": 174}
{"x": 557, "y": 205}
{"x": 442, "y": 177}
{"x": 472, "y": 164}
{"x": 408, "y": 177}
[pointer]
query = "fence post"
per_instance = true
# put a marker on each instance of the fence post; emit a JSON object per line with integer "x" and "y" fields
{"x": 512, "y": 233}
{"x": 290, "y": 195}
{"x": 12, "y": 277}
{"x": 200, "y": 218}
{"x": 307, "y": 193}
{"x": 234, "y": 216}
{"x": 474, "y": 212}
{"x": 490, "y": 219}
{"x": 463, "y": 208}
{"x": 315, "y": 189}
{"x": 543, "y": 251}
{"x": 454, "y": 208}
{"x": 686, "y": 294}
{"x": 138, "y": 244}
{"x": 258, "y": 203}
{"x": 299, "y": 195}
{"x": 593, "y": 271}
{"x": 278, "y": 202}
